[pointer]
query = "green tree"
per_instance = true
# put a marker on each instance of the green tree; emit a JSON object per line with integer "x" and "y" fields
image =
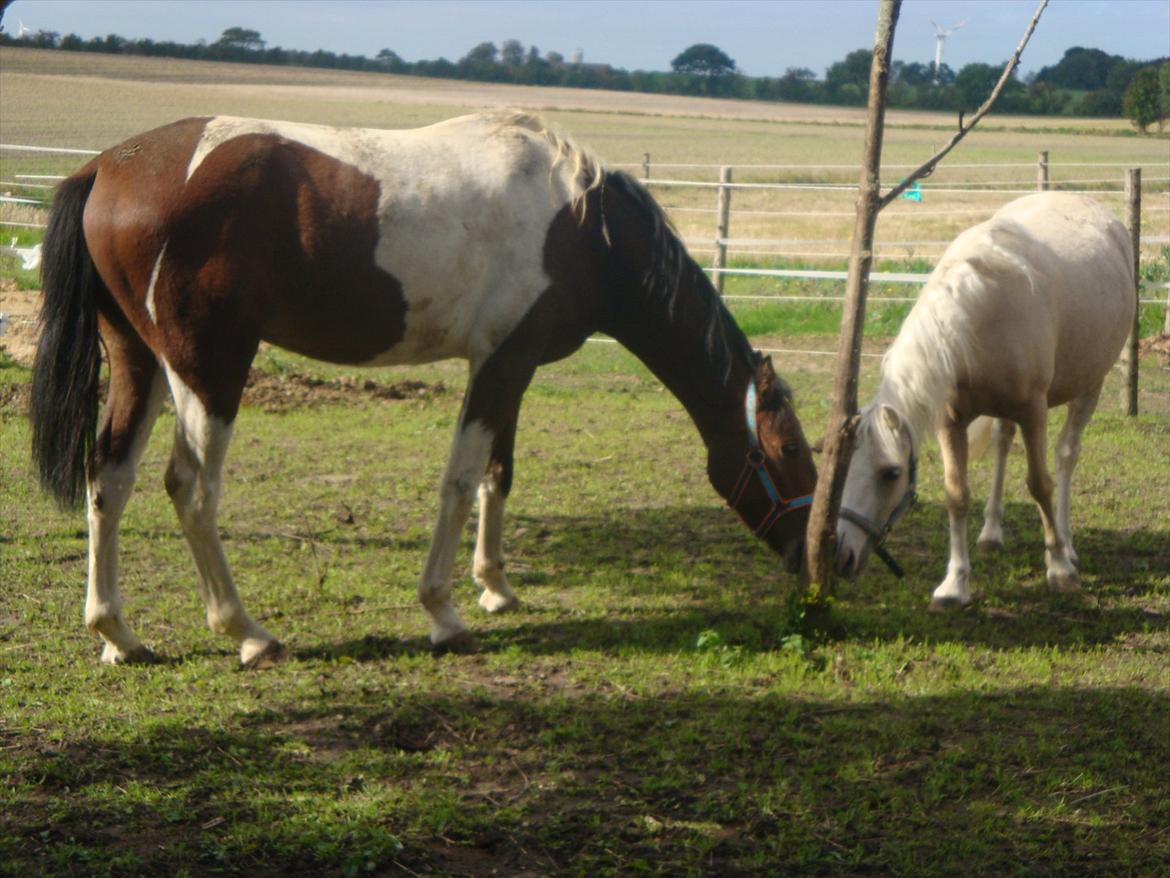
{"x": 240, "y": 38}
{"x": 1142, "y": 103}
{"x": 848, "y": 79}
{"x": 512, "y": 53}
{"x": 703, "y": 59}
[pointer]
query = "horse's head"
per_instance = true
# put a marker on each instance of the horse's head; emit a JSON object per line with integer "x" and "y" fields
{"x": 879, "y": 487}
{"x": 776, "y": 474}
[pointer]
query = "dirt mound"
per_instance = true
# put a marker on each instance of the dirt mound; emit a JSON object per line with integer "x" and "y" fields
{"x": 1156, "y": 345}
{"x": 291, "y": 390}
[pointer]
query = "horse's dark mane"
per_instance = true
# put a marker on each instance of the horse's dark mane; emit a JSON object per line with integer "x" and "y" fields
{"x": 675, "y": 281}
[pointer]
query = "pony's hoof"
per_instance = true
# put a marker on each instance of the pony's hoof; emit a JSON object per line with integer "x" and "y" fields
{"x": 142, "y": 655}
{"x": 271, "y": 655}
{"x": 459, "y": 643}
{"x": 989, "y": 545}
{"x": 494, "y": 602}
{"x": 947, "y": 604}
{"x": 1064, "y": 583}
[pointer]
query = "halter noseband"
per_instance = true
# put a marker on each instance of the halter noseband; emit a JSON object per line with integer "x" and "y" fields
{"x": 876, "y": 534}
{"x": 754, "y": 464}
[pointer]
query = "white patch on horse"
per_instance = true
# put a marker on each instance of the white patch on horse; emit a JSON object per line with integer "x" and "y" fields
{"x": 464, "y": 210}
{"x": 150, "y": 286}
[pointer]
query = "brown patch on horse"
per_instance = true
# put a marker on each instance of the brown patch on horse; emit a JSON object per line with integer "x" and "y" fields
{"x": 269, "y": 240}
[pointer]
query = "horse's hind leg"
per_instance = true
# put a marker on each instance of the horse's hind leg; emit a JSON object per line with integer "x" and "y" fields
{"x": 135, "y": 396}
{"x": 193, "y": 482}
{"x": 1068, "y": 450}
{"x": 991, "y": 536}
{"x": 488, "y": 568}
{"x": 1062, "y": 571}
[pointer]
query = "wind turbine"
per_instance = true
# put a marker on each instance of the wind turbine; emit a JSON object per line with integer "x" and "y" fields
{"x": 24, "y": 29}
{"x": 940, "y": 37}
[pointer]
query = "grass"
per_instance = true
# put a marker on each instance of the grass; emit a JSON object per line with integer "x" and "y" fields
{"x": 658, "y": 705}
{"x": 655, "y": 707}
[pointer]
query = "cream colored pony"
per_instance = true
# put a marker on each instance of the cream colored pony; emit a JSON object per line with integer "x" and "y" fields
{"x": 1025, "y": 312}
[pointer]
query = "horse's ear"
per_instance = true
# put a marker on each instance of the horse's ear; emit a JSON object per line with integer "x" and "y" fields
{"x": 765, "y": 375}
{"x": 891, "y": 420}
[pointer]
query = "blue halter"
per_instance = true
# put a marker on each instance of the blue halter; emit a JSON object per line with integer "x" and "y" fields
{"x": 754, "y": 464}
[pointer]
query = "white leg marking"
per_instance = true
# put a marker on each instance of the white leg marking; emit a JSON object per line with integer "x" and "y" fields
{"x": 193, "y": 481}
{"x": 465, "y": 468}
{"x": 1068, "y": 451}
{"x": 106, "y": 496}
{"x": 991, "y": 536}
{"x": 150, "y": 286}
{"x": 497, "y": 595}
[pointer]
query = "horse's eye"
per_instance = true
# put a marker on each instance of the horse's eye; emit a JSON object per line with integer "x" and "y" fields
{"x": 790, "y": 450}
{"x": 891, "y": 473}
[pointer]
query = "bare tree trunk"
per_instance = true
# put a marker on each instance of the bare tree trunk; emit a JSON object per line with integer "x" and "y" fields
{"x": 822, "y": 536}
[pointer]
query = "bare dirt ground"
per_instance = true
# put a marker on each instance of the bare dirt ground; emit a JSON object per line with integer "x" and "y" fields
{"x": 19, "y": 340}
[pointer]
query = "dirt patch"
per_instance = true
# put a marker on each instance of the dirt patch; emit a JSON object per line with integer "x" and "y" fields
{"x": 20, "y": 308}
{"x": 293, "y": 390}
{"x": 1156, "y": 346}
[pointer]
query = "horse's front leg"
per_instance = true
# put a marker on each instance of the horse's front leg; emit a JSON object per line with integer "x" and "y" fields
{"x": 1061, "y": 568}
{"x": 484, "y": 436}
{"x": 954, "y": 590}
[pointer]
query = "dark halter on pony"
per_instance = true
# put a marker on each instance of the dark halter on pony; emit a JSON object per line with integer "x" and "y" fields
{"x": 754, "y": 464}
{"x": 877, "y": 535}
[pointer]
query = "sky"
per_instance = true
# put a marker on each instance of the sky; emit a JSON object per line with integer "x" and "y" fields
{"x": 764, "y": 37}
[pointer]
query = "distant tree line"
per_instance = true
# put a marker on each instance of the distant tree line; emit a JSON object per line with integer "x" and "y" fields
{"x": 1085, "y": 82}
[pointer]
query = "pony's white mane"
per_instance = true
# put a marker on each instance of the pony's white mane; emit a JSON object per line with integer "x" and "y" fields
{"x": 585, "y": 170}
{"x": 937, "y": 341}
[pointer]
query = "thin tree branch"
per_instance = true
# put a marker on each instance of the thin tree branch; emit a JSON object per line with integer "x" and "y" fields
{"x": 927, "y": 168}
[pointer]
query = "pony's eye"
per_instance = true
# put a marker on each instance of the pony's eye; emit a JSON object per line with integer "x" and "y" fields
{"x": 790, "y": 450}
{"x": 891, "y": 473}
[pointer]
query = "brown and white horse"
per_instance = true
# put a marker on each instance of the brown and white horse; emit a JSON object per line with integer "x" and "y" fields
{"x": 1024, "y": 312}
{"x": 488, "y": 238}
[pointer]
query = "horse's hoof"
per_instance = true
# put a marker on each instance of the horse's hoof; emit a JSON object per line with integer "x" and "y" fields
{"x": 1065, "y": 583}
{"x": 947, "y": 604}
{"x": 989, "y": 545}
{"x": 494, "y": 602}
{"x": 271, "y": 655}
{"x": 459, "y": 643}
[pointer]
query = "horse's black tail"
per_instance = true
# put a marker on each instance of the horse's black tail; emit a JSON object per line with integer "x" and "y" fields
{"x": 65, "y": 382}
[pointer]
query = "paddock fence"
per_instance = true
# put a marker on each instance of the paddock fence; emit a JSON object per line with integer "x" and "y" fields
{"x": 781, "y": 232}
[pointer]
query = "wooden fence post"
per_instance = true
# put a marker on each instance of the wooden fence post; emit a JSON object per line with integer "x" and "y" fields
{"x": 645, "y": 166}
{"x": 1042, "y": 172}
{"x": 1129, "y": 354}
{"x": 721, "y": 226}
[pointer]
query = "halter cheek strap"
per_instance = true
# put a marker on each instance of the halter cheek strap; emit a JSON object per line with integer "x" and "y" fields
{"x": 876, "y": 534}
{"x": 754, "y": 465}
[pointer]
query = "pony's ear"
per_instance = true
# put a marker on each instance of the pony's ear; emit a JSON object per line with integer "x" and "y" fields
{"x": 891, "y": 420}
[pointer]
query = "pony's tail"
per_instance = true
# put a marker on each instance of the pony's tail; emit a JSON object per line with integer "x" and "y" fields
{"x": 65, "y": 382}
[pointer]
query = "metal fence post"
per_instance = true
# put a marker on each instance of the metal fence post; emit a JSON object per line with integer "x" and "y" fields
{"x": 646, "y": 166}
{"x": 724, "y": 216}
{"x": 1042, "y": 172}
{"x": 1129, "y": 354}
